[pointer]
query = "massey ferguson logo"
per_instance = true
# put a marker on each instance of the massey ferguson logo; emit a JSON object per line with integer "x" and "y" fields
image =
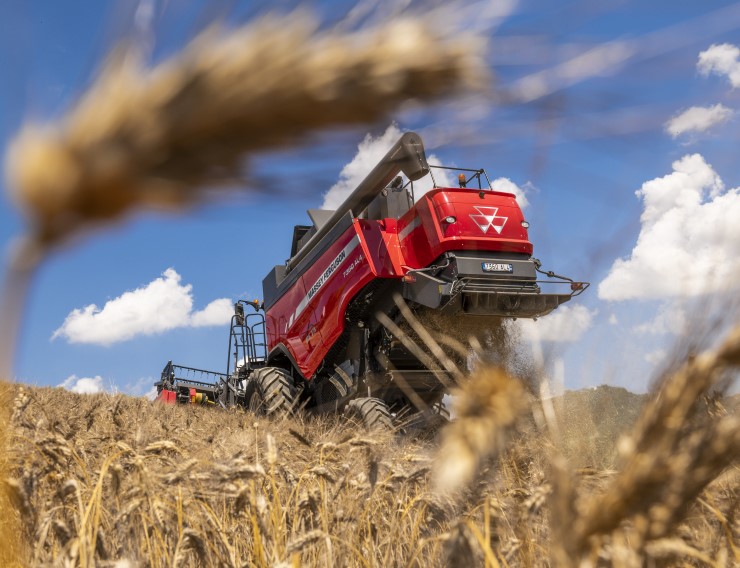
{"x": 488, "y": 219}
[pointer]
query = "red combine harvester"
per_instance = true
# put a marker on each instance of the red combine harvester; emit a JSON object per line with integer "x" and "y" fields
{"x": 456, "y": 254}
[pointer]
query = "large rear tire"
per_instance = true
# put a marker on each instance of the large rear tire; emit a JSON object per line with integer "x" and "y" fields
{"x": 373, "y": 413}
{"x": 270, "y": 391}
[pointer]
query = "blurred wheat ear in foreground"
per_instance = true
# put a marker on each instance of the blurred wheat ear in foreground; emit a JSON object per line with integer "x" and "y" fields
{"x": 486, "y": 410}
{"x": 163, "y": 137}
{"x": 681, "y": 443}
{"x": 160, "y": 138}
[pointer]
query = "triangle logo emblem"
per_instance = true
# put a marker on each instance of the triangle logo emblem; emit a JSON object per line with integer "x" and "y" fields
{"x": 487, "y": 217}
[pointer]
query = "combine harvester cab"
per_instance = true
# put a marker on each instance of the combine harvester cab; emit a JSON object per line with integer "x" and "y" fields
{"x": 334, "y": 321}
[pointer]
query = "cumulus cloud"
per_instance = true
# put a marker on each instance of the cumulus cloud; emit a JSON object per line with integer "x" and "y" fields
{"x": 670, "y": 319}
{"x": 656, "y": 357}
{"x": 564, "y": 325}
{"x": 505, "y": 184}
{"x": 698, "y": 119}
{"x": 721, "y": 59}
{"x": 372, "y": 149}
{"x": 442, "y": 178}
{"x": 218, "y": 312}
{"x": 369, "y": 153}
{"x": 689, "y": 241}
{"x": 150, "y": 394}
{"x": 83, "y": 385}
{"x": 162, "y": 305}
{"x": 143, "y": 387}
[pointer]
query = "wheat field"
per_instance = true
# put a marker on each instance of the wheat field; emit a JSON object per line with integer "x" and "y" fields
{"x": 111, "y": 480}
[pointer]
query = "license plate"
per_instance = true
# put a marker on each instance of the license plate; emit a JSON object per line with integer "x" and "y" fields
{"x": 497, "y": 267}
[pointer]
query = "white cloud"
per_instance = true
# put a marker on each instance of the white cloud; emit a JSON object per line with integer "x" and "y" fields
{"x": 372, "y": 149}
{"x": 656, "y": 357}
{"x": 218, "y": 312}
{"x": 613, "y": 319}
{"x": 143, "y": 387}
{"x": 150, "y": 394}
{"x": 160, "y": 306}
{"x": 505, "y": 184}
{"x": 443, "y": 178}
{"x": 698, "y": 119}
{"x": 84, "y": 385}
{"x": 564, "y": 325}
{"x": 689, "y": 242}
{"x": 721, "y": 59}
{"x": 670, "y": 319}
{"x": 369, "y": 153}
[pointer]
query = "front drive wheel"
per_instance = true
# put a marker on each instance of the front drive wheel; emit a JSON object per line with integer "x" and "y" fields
{"x": 373, "y": 413}
{"x": 270, "y": 391}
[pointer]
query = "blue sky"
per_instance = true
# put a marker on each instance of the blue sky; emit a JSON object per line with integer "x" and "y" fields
{"x": 615, "y": 74}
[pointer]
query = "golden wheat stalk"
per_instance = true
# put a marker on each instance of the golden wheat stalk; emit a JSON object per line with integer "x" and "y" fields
{"x": 156, "y": 138}
{"x": 670, "y": 458}
{"x": 486, "y": 408}
{"x": 160, "y": 138}
{"x": 201, "y": 505}
{"x": 11, "y": 497}
{"x": 426, "y": 337}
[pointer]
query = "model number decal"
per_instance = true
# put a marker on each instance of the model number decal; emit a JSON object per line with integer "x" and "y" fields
{"x": 352, "y": 266}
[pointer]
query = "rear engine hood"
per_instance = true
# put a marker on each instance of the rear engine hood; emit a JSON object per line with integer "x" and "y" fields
{"x": 479, "y": 215}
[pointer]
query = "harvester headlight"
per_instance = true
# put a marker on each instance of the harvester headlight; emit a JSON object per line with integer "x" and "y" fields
{"x": 450, "y": 219}
{"x": 525, "y": 224}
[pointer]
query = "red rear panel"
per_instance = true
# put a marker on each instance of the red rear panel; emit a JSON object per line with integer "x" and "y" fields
{"x": 309, "y": 318}
{"x": 492, "y": 222}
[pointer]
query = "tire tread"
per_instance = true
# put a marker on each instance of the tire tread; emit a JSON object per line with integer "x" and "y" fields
{"x": 374, "y": 413}
{"x": 275, "y": 388}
